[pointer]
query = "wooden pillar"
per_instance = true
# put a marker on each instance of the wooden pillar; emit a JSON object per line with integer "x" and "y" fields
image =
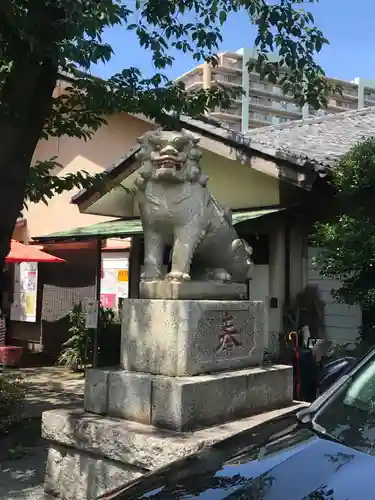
{"x": 135, "y": 266}
{"x": 296, "y": 261}
{"x": 277, "y": 279}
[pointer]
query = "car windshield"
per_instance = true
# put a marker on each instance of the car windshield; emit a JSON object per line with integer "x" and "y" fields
{"x": 349, "y": 417}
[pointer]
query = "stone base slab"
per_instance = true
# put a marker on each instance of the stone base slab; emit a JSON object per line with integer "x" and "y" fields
{"x": 199, "y": 290}
{"x": 72, "y": 475}
{"x": 191, "y": 337}
{"x": 187, "y": 403}
{"x": 91, "y": 454}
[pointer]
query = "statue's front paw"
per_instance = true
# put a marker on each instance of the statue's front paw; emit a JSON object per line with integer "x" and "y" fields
{"x": 177, "y": 276}
{"x": 222, "y": 276}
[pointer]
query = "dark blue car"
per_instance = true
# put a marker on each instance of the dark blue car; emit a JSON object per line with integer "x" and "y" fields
{"x": 323, "y": 452}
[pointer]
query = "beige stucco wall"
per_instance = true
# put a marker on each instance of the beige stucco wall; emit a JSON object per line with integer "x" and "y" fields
{"x": 236, "y": 185}
{"x": 106, "y": 147}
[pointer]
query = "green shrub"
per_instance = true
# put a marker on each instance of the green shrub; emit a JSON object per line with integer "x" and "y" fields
{"x": 109, "y": 341}
{"x": 12, "y": 400}
{"x": 77, "y": 351}
{"x": 73, "y": 350}
{"x": 110, "y": 345}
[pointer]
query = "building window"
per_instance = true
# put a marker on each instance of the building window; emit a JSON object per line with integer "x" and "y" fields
{"x": 257, "y": 85}
{"x": 277, "y": 120}
{"x": 350, "y": 91}
{"x": 230, "y": 79}
{"x": 350, "y": 105}
{"x": 261, "y": 117}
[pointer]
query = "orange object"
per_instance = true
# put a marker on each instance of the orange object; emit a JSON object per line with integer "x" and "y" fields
{"x": 28, "y": 253}
{"x": 123, "y": 275}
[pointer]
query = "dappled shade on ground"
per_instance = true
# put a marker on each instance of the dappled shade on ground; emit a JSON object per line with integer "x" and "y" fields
{"x": 23, "y": 452}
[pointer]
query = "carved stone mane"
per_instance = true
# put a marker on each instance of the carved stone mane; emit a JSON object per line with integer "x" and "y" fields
{"x": 178, "y": 209}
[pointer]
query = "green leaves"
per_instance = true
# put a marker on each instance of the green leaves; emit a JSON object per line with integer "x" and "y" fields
{"x": 72, "y": 34}
{"x": 44, "y": 181}
{"x": 348, "y": 238}
{"x": 292, "y": 32}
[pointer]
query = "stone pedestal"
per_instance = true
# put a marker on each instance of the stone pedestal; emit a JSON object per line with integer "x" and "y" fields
{"x": 188, "y": 367}
{"x": 187, "y": 403}
{"x": 205, "y": 290}
{"x": 191, "y": 337}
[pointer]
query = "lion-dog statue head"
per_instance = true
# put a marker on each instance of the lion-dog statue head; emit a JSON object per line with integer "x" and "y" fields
{"x": 170, "y": 157}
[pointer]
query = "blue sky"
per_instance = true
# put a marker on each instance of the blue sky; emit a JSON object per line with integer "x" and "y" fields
{"x": 348, "y": 24}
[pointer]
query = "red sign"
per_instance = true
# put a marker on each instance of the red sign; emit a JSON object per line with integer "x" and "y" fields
{"x": 108, "y": 300}
{"x": 228, "y": 335}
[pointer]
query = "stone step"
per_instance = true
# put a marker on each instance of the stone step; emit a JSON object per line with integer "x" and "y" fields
{"x": 91, "y": 454}
{"x": 187, "y": 403}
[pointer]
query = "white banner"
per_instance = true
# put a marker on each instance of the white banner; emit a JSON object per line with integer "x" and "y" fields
{"x": 25, "y": 292}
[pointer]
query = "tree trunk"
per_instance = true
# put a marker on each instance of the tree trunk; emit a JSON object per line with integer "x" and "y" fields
{"x": 25, "y": 103}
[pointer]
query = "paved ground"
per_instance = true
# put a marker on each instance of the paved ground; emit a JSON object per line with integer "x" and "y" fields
{"x": 23, "y": 453}
{"x": 52, "y": 387}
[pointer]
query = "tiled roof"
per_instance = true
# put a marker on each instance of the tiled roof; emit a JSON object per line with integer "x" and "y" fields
{"x": 319, "y": 141}
{"x": 313, "y": 143}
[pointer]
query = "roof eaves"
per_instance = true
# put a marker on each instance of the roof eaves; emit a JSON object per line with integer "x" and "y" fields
{"x": 116, "y": 169}
{"x": 111, "y": 172}
{"x": 244, "y": 143}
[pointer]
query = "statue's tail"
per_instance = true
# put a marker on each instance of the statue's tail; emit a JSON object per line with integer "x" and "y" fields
{"x": 224, "y": 212}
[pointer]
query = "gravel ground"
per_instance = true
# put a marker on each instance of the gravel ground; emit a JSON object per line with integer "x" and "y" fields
{"x": 23, "y": 452}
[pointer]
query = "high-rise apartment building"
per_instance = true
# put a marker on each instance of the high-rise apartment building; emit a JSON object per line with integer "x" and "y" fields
{"x": 264, "y": 103}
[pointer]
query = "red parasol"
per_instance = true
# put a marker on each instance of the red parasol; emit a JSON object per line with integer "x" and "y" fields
{"x": 28, "y": 253}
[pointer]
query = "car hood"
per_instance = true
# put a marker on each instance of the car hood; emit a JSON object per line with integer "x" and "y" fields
{"x": 297, "y": 465}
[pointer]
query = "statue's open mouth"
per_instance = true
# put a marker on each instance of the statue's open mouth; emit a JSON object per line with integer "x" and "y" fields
{"x": 167, "y": 162}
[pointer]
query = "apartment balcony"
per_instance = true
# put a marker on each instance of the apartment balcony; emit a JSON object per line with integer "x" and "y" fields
{"x": 268, "y": 90}
{"x": 348, "y": 91}
{"x": 232, "y": 81}
{"x": 193, "y": 82}
{"x": 266, "y": 119}
{"x": 338, "y": 106}
{"x": 285, "y": 108}
{"x": 229, "y": 70}
{"x": 369, "y": 97}
{"x": 234, "y": 125}
{"x": 194, "y": 86}
{"x": 351, "y": 94}
{"x": 260, "y": 119}
{"x": 256, "y": 124}
{"x": 231, "y": 114}
{"x": 315, "y": 113}
{"x": 271, "y": 91}
{"x": 231, "y": 63}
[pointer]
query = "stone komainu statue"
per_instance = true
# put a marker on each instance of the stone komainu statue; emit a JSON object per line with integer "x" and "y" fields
{"x": 177, "y": 209}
